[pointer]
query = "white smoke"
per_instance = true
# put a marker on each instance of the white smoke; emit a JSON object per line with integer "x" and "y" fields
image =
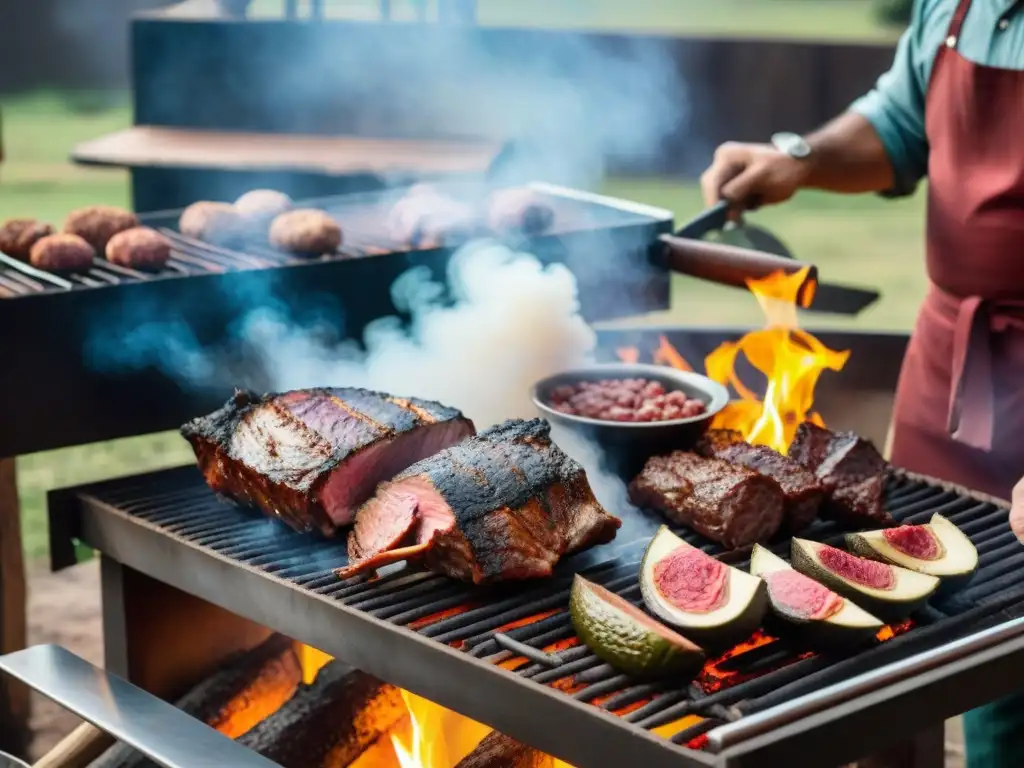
{"x": 512, "y": 322}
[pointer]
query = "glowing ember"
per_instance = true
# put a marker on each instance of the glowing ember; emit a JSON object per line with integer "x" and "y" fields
{"x": 790, "y": 359}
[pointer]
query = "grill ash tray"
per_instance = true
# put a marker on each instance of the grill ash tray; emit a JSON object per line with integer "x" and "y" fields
{"x": 508, "y": 656}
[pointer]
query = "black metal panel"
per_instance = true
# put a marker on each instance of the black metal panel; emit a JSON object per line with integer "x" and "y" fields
{"x": 170, "y": 526}
{"x": 453, "y": 81}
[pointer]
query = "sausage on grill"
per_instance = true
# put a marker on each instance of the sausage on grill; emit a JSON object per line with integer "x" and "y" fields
{"x": 139, "y": 248}
{"x": 62, "y": 253}
{"x": 306, "y": 231}
{"x": 17, "y": 236}
{"x": 98, "y": 223}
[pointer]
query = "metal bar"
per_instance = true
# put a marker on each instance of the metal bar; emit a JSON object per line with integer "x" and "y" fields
{"x": 535, "y": 714}
{"x": 833, "y": 695}
{"x": 159, "y": 730}
{"x": 38, "y": 274}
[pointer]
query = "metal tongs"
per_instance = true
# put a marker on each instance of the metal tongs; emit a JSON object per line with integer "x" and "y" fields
{"x": 737, "y": 234}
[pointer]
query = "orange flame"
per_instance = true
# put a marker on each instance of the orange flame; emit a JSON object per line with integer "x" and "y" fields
{"x": 791, "y": 359}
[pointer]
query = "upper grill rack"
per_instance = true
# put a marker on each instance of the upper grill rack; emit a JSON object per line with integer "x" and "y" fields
{"x": 363, "y": 218}
{"x": 481, "y": 622}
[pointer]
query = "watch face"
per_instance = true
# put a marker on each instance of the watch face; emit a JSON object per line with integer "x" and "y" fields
{"x": 792, "y": 144}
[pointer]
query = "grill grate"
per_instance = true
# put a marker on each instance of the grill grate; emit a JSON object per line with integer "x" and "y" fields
{"x": 363, "y": 218}
{"x": 480, "y": 622}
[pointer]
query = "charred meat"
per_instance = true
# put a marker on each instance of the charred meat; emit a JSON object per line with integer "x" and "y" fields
{"x": 507, "y": 504}
{"x": 851, "y": 470}
{"x": 730, "y": 504}
{"x": 802, "y": 492}
{"x": 311, "y": 456}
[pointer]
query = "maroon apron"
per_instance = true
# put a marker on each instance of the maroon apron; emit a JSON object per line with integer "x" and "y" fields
{"x": 959, "y": 412}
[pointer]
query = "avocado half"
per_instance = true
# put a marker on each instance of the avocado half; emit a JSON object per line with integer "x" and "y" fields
{"x": 625, "y": 637}
{"x": 736, "y": 619}
{"x": 844, "y": 624}
{"x": 955, "y": 563}
{"x": 906, "y": 592}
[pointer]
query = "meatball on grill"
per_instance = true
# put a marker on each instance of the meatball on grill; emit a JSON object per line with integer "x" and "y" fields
{"x": 208, "y": 220}
{"x": 139, "y": 248}
{"x": 263, "y": 204}
{"x": 305, "y": 231}
{"x": 98, "y": 223}
{"x": 17, "y": 236}
{"x": 62, "y": 252}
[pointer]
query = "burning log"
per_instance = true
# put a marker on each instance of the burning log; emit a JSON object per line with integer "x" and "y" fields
{"x": 234, "y": 699}
{"x": 330, "y": 723}
{"x": 500, "y": 751}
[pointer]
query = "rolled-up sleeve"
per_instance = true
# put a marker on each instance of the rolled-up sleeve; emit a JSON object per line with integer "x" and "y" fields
{"x": 895, "y": 107}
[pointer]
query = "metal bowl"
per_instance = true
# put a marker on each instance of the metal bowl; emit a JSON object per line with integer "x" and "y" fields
{"x": 627, "y": 444}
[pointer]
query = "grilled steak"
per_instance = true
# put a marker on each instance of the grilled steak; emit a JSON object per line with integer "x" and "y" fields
{"x": 802, "y": 492}
{"x": 732, "y": 505}
{"x": 311, "y": 456}
{"x": 507, "y": 504}
{"x": 849, "y": 468}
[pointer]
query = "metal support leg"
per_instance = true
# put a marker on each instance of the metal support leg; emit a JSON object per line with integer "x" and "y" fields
{"x": 926, "y": 750}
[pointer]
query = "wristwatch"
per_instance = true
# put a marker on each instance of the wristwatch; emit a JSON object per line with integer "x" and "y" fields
{"x": 792, "y": 144}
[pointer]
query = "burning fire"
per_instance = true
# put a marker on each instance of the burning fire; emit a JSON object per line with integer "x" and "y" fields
{"x": 790, "y": 359}
{"x": 430, "y": 737}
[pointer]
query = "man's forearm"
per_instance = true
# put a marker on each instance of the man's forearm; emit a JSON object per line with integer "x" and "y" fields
{"x": 848, "y": 156}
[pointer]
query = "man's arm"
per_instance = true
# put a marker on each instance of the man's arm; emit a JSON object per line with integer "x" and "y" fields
{"x": 848, "y": 155}
{"x": 879, "y": 145}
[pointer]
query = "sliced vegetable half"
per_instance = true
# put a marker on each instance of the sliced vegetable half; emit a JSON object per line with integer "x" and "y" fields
{"x": 937, "y": 549}
{"x": 710, "y": 602}
{"x": 810, "y": 611}
{"x": 887, "y": 591}
{"x": 625, "y": 637}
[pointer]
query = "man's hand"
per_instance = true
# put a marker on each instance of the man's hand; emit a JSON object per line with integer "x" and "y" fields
{"x": 1017, "y": 510}
{"x": 742, "y": 173}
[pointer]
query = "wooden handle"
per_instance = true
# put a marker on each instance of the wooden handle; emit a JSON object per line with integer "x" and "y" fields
{"x": 729, "y": 265}
{"x": 78, "y": 749}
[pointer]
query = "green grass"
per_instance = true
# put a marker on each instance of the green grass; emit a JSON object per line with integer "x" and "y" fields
{"x": 806, "y": 19}
{"x": 860, "y": 240}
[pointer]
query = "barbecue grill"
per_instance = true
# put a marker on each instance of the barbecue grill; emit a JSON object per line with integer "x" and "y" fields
{"x": 172, "y": 552}
{"x": 606, "y": 242}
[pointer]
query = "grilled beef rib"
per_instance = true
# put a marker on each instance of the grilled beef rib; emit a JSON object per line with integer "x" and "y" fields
{"x": 802, "y": 492}
{"x": 309, "y": 457}
{"x": 851, "y": 470}
{"x": 507, "y": 504}
{"x": 732, "y": 505}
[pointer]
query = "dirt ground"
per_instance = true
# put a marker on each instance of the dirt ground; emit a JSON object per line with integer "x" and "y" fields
{"x": 64, "y": 608}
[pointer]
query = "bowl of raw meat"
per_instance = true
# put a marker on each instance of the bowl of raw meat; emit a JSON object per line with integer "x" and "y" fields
{"x": 631, "y": 410}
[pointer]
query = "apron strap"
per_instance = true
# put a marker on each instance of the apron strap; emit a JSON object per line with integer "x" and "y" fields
{"x": 957, "y": 23}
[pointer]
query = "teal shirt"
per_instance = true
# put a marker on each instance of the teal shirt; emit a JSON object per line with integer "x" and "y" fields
{"x": 993, "y": 34}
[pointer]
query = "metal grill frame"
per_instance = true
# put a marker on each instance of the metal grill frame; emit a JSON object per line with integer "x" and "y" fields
{"x": 536, "y": 714}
